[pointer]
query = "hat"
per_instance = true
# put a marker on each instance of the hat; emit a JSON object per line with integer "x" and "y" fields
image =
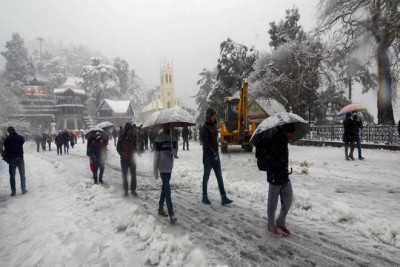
{"x": 210, "y": 111}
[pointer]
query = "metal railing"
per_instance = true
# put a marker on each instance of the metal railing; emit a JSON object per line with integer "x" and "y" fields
{"x": 378, "y": 134}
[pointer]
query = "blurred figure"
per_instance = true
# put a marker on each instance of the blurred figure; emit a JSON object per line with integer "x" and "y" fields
{"x": 66, "y": 138}
{"x": 59, "y": 140}
{"x": 114, "y": 135}
{"x": 126, "y": 147}
{"x": 185, "y": 137}
{"x": 357, "y": 125}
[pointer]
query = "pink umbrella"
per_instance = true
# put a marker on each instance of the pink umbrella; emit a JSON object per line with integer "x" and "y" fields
{"x": 352, "y": 108}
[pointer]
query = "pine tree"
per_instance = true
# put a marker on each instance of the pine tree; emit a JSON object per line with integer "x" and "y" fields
{"x": 207, "y": 83}
{"x": 18, "y": 68}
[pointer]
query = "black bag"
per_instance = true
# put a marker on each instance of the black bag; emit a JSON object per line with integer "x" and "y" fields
{"x": 5, "y": 156}
{"x": 262, "y": 155}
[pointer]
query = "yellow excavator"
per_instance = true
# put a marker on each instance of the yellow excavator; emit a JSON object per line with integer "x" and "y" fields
{"x": 236, "y": 129}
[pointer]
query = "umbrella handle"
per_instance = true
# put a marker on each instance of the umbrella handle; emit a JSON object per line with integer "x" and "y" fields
{"x": 291, "y": 171}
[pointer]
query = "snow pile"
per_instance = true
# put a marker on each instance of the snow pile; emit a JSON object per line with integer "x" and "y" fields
{"x": 163, "y": 249}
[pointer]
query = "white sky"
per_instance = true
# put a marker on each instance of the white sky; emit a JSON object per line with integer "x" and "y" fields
{"x": 144, "y": 32}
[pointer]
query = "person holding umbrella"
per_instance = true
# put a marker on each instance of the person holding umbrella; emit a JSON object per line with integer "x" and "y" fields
{"x": 271, "y": 140}
{"x": 165, "y": 149}
{"x": 357, "y": 125}
{"x": 348, "y": 136}
{"x": 209, "y": 139}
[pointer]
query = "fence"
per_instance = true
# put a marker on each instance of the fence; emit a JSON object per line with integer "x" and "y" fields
{"x": 378, "y": 134}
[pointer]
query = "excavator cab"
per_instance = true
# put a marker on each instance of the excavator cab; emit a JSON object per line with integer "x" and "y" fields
{"x": 235, "y": 129}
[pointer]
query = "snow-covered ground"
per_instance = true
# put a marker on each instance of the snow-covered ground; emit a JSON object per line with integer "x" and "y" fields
{"x": 344, "y": 213}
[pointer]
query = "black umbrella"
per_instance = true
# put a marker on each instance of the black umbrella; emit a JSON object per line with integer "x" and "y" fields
{"x": 270, "y": 126}
{"x": 104, "y": 135}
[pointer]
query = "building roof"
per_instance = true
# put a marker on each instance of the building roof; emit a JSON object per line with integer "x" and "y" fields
{"x": 69, "y": 91}
{"x": 73, "y": 82}
{"x": 154, "y": 105}
{"x": 117, "y": 106}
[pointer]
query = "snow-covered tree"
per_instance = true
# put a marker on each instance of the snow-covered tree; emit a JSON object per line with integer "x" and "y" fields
{"x": 286, "y": 30}
{"x": 354, "y": 23}
{"x": 100, "y": 81}
{"x": 207, "y": 83}
{"x": 234, "y": 64}
{"x": 18, "y": 68}
{"x": 136, "y": 91}
{"x": 122, "y": 71}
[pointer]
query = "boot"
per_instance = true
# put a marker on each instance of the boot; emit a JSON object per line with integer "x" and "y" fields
{"x": 172, "y": 218}
{"x": 225, "y": 200}
{"x": 13, "y": 193}
{"x": 205, "y": 200}
{"x": 24, "y": 191}
{"x": 162, "y": 212}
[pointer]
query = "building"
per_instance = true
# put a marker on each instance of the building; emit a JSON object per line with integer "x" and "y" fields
{"x": 116, "y": 112}
{"x": 69, "y": 100}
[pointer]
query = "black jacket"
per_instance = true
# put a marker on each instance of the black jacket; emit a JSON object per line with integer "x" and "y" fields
{"x": 277, "y": 155}
{"x": 349, "y": 135}
{"x": 13, "y": 147}
{"x": 209, "y": 138}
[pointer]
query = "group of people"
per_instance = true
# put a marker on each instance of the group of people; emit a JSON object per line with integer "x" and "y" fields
{"x": 165, "y": 150}
{"x": 351, "y": 135}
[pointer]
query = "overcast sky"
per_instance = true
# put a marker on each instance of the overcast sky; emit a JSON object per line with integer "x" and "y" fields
{"x": 188, "y": 32}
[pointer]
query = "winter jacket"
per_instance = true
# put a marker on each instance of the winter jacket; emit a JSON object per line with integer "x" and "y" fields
{"x": 13, "y": 147}
{"x": 209, "y": 138}
{"x": 165, "y": 150}
{"x": 97, "y": 149}
{"x": 357, "y": 125}
{"x": 125, "y": 147}
{"x": 349, "y": 135}
{"x": 277, "y": 158}
{"x": 59, "y": 139}
{"x": 185, "y": 133}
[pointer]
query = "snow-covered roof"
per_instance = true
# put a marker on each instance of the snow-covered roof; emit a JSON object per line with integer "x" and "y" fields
{"x": 62, "y": 91}
{"x": 73, "y": 82}
{"x": 117, "y": 106}
{"x": 155, "y": 105}
{"x": 270, "y": 106}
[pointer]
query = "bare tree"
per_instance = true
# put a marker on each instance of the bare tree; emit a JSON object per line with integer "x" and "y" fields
{"x": 352, "y": 23}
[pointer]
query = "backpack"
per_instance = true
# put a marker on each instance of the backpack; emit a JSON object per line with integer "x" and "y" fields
{"x": 262, "y": 155}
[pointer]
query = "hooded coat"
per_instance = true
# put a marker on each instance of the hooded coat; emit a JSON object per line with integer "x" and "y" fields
{"x": 209, "y": 135}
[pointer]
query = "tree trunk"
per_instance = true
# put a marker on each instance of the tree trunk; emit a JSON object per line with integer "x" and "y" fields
{"x": 385, "y": 108}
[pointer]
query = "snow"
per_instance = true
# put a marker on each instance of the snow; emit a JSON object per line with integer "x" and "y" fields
{"x": 118, "y": 106}
{"x": 344, "y": 212}
{"x": 61, "y": 91}
{"x": 73, "y": 82}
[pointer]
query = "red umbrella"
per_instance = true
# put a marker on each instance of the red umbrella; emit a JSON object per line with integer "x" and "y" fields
{"x": 352, "y": 108}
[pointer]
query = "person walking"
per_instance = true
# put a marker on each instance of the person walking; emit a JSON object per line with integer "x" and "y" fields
{"x": 97, "y": 149}
{"x": 66, "y": 138}
{"x": 13, "y": 154}
{"x": 126, "y": 147}
{"x": 146, "y": 139}
{"x": 357, "y": 125}
{"x": 49, "y": 140}
{"x": 185, "y": 137}
{"x": 165, "y": 148}
{"x": 59, "y": 140}
{"x": 277, "y": 158}
{"x": 114, "y": 135}
{"x": 38, "y": 140}
{"x": 348, "y": 136}
{"x": 209, "y": 139}
{"x": 43, "y": 142}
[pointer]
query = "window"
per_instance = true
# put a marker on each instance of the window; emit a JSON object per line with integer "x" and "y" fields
{"x": 166, "y": 78}
{"x": 168, "y": 104}
{"x": 170, "y": 79}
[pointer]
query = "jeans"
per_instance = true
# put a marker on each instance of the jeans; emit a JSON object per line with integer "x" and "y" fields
{"x": 166, "y": 192}
{"x": 98, "y": 164}
{"x": 185, "y": 141}
{"x": 346, "y": 149}
{"x": 210, "y": 162}
{"x": 358, "y": 141}
{"x": 66, "y": 147}
{"x": 286, "y": 193}
{"x": 59, "y": 149}
{"x": 131, "y": 165}
{"x": 13, "y": 165}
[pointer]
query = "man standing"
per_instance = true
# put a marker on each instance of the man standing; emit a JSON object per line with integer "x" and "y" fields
{"x": 165, "y": 149}
{"x": 13, "y": 154}
{"x": 126, "y": 146}
{"x": 114, "y": 135}
{"x": 277, "y": 158}
{"x": 185, "y": 137}
{"x": 357, "y": 125}
{"x": 209, "y": 139}
{"x": 348, "y": 136}
{"x": 98, "y": 154}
